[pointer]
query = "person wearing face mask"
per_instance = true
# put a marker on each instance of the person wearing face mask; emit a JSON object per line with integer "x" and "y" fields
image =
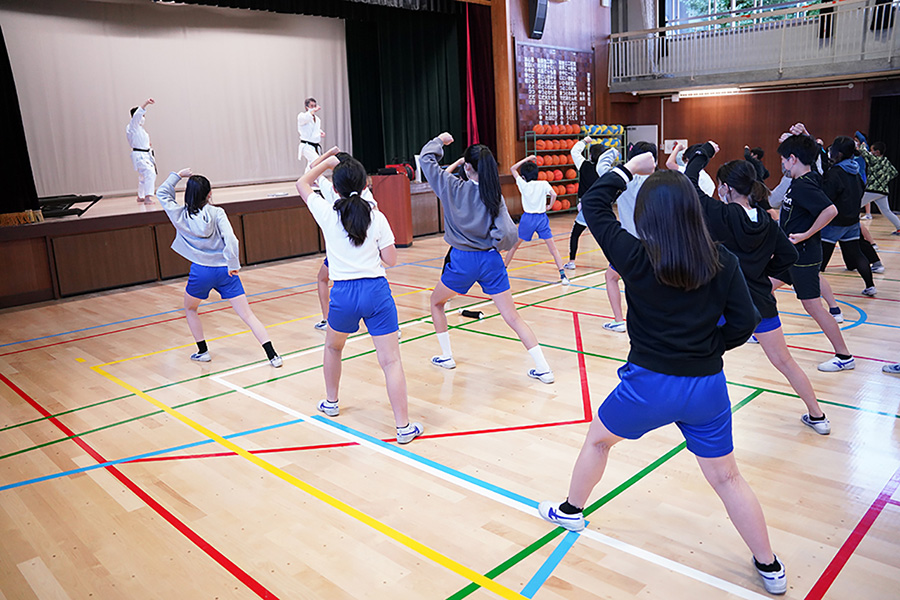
{"x": 741, "y": 223}
{"x": 142, "y": 152}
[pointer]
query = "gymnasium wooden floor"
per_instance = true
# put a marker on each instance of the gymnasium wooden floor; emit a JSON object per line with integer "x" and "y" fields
{"x": 128, "y": 471}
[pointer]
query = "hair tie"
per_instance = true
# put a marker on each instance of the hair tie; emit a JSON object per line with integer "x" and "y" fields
{"x": 354, "y": 193}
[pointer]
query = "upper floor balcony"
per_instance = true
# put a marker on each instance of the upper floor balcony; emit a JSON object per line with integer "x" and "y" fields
{"x": 821, "y": 42}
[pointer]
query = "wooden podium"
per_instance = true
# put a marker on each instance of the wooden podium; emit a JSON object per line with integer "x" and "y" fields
{"x": 392, "y": 194}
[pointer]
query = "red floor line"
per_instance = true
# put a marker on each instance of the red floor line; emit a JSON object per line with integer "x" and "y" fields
{"x": 582, "y": 371}
{"x": 856, "y": 536}
{"x": 87, "y": 337}
{"x": 345, "y": 444}
{"x": 831, "y": 352}
{"x": 220, "y": 558}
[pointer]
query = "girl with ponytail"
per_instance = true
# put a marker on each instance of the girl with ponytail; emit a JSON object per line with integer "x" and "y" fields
{"x": 740, "y": 221}
{"x": 477, "y": 226}
{"x": 358, "y": 239}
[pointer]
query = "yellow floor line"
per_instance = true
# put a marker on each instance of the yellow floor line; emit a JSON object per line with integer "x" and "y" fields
{"x": 415, "y": 546}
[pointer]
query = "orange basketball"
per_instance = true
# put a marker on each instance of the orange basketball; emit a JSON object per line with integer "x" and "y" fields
{"x": 554, "y": 130}
{"x": 557, "y": 175}
{"x": 572, "y": 188}
{"x": 542, "y": 176}
{"x": 566, "y": 204}
{"x": 556, "y": 205}
{"x": 560, "y": 190}
{"x": 538, "y": 129}
{"x": 564, "y": 159}
{"x": 540, "y": 145}
{"x": 539, "y": 161}
{"x": 571, "y": 174}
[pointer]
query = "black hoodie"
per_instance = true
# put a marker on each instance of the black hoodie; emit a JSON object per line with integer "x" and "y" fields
{"x": 761, "y": 247}
{"x": 672, "y": 331}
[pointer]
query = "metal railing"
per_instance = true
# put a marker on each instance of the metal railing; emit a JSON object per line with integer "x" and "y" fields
{"x": 799, "y": 36}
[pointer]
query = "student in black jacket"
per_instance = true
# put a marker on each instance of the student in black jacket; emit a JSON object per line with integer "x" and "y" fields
{"x": 804, "y": 212}
{"x": 740, "y": 222}
{"x": 678, "y": 284}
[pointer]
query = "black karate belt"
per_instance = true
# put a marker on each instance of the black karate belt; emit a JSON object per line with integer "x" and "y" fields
{"x": 314, "y": 145}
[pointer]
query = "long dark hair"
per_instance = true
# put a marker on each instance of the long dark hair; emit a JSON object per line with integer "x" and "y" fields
{"x": 670, "y": 224}
{"x": 482, "y": 160}
{"x": 842, "y": 148}
{"x": 196, "y": 193}
{"x": 356, "y": 214}
{"x": 741, "y": 176}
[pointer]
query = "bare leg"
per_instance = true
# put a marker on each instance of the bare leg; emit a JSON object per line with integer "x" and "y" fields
{"x": 775, "y": 347}
{"x": 322, "y": 290}
{"x": 551, "y": 245}
{"x": 613, "y": 293}
{"x": 740, "y": 502}
{"x": 591, "y": 462}
{"x": 507, "y": 307}
{"x": 439, "y": 298}
{"x": 827, "y": 293}
{"x": 387, "y": 348}
{"x": 242, "y": 308}
{"x": 829, "y": 326}
{"x": 331, "y": 362}
{"x": 191, "y": 305}
{"x": 511, "y": 253}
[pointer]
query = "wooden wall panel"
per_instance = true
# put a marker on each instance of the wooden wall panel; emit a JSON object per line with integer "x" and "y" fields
{"x": 426, "y": 212}
{"x": 272, "y": 235}
{"x": 25, "y": 272}
{"x": 108, "y": 259}
{"x": 756, "y": 119}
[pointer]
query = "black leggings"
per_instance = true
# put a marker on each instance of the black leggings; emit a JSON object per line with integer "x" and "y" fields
{"x": 868, "y": 251}
{"x": 853, "y": 256}
{"x": 577, "y": 230}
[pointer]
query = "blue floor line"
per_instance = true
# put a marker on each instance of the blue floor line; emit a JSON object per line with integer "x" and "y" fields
{"x": 110, "y": 463}
{"x": 546, "y": 570}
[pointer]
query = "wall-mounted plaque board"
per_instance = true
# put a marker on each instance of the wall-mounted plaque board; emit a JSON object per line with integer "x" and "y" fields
{"x": 554, "y": 86}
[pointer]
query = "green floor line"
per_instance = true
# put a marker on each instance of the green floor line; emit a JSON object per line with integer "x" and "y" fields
{"x": 543, "y": 541}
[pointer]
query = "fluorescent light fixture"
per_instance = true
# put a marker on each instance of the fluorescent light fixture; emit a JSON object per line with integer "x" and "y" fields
{"x": 706, "y": 93}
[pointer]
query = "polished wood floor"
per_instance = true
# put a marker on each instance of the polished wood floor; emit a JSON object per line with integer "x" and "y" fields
{"x": 128, "y": 471}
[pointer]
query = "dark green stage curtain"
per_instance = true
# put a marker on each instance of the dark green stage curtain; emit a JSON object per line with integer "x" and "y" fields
{"x": 406, "y": 86}
{"x": 885, "y": 127}
{"x": 19, "y": 193}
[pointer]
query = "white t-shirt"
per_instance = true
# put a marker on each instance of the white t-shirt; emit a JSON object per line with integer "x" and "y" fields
{"x": 346, "y": 261}
{"x": 326, "y": 188}
{"x": 534, "y": 195}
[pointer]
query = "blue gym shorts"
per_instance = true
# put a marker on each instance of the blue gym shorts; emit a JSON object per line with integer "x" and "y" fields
{"x": 645, "y": 400}
{"x": 833, "y": 234}
{"x": 203, "y": 279}
{"x": 531, "y": 223}
{"x": 462, "y": 268}
{"x": 368, "y": 299}
{"x": 767, "y": 325}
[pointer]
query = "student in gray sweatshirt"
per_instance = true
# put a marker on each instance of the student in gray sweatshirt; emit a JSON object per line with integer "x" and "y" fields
{"x": 477, "y": 226}
{"x": 204, "y": 236}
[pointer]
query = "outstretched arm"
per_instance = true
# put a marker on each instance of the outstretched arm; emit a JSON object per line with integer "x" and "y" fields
{"x": 515, "y": 168}
{"x": 304, "y": 184}
{"x": 672, "y": 161}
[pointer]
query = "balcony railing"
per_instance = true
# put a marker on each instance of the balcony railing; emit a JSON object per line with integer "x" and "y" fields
{"x": 814, "y": 40}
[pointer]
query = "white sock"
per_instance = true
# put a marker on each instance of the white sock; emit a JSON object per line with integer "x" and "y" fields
{"x": 540, "y": 363}
{"x": 444, "y": 341}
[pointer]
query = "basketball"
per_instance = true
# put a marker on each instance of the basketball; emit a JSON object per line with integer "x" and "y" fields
{"x": 538, "y": 129}
{"x": 571, "y": 174}
{"x": 556, "y": 205}
{"x": 539, "y": 161}
{"x": 557, "y": 175}
{"x": 566, "y": 204}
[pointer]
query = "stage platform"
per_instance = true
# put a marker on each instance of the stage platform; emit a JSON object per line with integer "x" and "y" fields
{"x": 120, "y": 242}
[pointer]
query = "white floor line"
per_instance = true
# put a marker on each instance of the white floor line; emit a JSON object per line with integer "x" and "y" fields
{"x": 669, "y": 564}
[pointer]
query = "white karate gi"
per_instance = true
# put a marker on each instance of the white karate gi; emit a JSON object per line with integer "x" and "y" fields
{"x": 309, "y": 126}
{"x": 144, "y": 162}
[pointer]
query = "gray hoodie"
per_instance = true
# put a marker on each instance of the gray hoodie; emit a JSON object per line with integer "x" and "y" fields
{"x": 205, "y": 238}
{"x": 467, "y": 222}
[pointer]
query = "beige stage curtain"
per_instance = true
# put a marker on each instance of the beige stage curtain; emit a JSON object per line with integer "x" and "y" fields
{"x": 228, "y": 86}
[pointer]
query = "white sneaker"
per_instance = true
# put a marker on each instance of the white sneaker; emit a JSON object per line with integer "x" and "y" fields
{"x": 409, "y": 433}
{"x": 321, "y": 325}
{"x": 276, "y": 361}
{"x": 774, "y": 582}
{"x": 877, "y": 267}
{"x": 867, "y": 217}
{"x": 549, "y": 511}
{"x": 329, "y": 408}
{"x": 545, "y": 377}
{"x": 569, "y": 266}
{"x": 870, "y": 291}
{"x": 564, "y": 280}
{"x": 201, "y": 356}
{"x": 836, "y": 364}
{"x": 821, "y": 427}
{"x": 444, "y": 362}
{"x": 838, "y": 316}
{"x": 893, "y": 369}
{"x": 616, "y": 326}
{"x": 753, "y": 340}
